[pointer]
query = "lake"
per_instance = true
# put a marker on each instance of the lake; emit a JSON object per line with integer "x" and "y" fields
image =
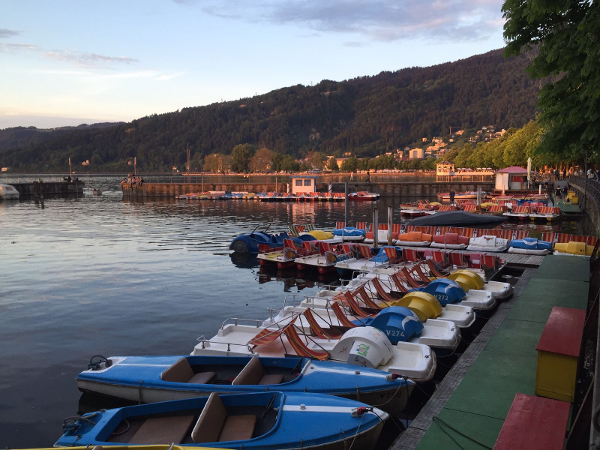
{"x": 100, "y": 275}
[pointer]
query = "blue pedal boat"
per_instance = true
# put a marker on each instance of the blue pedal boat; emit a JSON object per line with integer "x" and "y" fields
{"x": 269, "y": 420}
{"x": 147, "y": 379}
{"x": 530, "y": 246}
{"x": 249, "y": 242}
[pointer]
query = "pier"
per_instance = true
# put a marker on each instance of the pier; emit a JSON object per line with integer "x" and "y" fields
{"x": 45, "y": 189}
{"x": 404, "y": 189}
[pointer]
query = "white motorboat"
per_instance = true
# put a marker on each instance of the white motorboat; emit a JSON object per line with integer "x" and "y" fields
{"x": 8, "y": 192}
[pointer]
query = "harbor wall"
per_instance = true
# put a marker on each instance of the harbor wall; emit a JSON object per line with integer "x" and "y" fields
{"x": 49, "y": 189}
{"x": 589, "y": 198}
{"x": 385, "y": 189}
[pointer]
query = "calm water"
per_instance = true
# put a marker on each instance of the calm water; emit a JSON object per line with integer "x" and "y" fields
{"x": 99, "y": 275}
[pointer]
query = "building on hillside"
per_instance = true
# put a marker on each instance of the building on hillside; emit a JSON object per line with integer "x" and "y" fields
{"x": 416, "y": 153}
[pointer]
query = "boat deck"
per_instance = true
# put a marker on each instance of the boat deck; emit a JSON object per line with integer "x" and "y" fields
{"x": 470, "y": 405}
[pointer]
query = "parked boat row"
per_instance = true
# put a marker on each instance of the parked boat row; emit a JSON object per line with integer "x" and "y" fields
{"x": 281, "y": 196}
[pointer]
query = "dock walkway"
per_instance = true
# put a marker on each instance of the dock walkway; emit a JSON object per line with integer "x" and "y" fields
{"x": 469, "y": 407}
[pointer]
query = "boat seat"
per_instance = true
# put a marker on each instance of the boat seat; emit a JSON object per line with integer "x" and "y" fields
{"x": 215, "y": 426}
{"x": 253, "y": 373}
{"x": 181, "y": 372}
{"x": 163, "y": 430}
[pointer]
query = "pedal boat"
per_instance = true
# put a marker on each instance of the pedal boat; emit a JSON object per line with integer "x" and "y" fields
{"x": 400, "y": 324}
{"x": 149, "y": 379}
{"x": 414, "y": 239}
{"x": 269, "y": 420}
{"x": 452, "y": 241}
{"x": 470, "y": 280}
{"x": 530, "y": 246}
{"x": 488, "y": 244}
{"x": 350, "y": 234}
{"x": 414, "y": 361}
{"x": 574, "y": 249}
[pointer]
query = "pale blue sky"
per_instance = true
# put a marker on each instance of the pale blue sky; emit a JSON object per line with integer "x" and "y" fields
{"x": 72, "y": 62}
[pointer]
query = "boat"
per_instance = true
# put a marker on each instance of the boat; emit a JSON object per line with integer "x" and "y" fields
{"x": 418, "y": 209}
{"x": 8, "y": 192}
{"x": 360, "y": 346}
{"x": 488, "y": 243}
{"x": 453, "y": 241}
{"x": 399, "y": 323}
{"x": 518, "y": 212}
{"x": 530, "y": 246}
{"x": 134, "y": 447}
{"x": 456, "y": 219}
{"x": 97, "y": 192}
{"x": 269, "y": 420}
{"x": 470, "y": 280}
{"x": 363, "y": 196}
{"x": 469, "y": 195}
{"x": 326, "y": 259}
{"x": 350, "y": 234}
{"x": 250, "y": 242}
{"x": 382, "y": 236}
{"x": 149, "y": 379}
{"x": 414, "y": 239}
{"x": 548, "y": 213}
{"x": 573, "y": 248}
{"x": 364, "y": 261}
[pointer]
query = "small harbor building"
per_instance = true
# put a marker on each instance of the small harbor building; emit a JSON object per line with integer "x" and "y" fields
{"x": 513, "y": 178}
{"x": 304, "y": 184}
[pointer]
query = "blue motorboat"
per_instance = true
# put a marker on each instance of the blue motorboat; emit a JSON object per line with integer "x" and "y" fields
{"x": 147, "y": 379}
{"x": 250, "y": 242}
{"x": 269, "y": 420}
{"x": 530, "y": 246}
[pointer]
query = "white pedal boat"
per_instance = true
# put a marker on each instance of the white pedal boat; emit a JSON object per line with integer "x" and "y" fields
{"x": 441, "y": 335}
{"x": 469, "y": 280}
{"x": 488, "y": 244}
{"x": 361, "y": 346}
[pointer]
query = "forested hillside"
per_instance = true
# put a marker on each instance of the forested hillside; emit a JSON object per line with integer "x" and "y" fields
{"x": 366, "y": 116}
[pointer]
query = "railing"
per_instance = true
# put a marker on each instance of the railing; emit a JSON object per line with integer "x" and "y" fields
{"x": 591, "y": 191}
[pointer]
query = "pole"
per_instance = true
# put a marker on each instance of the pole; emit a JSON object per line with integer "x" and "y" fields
{"x": 346, "y": 204}
{"x": 69, "y": 167}
{"x": 275, "y": 184}
{"x": 202, "y": 184}
{"x": 390, "y": 224}
{"x": 375, "y": 227}
{"x": 586, "y": 180}
{"x": 479, "y": 196}
{"x": 135, "y": 165}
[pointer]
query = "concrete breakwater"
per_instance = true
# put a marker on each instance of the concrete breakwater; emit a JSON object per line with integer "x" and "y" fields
{"x": 413, "y": 189}
{"x": 49, "y": 188}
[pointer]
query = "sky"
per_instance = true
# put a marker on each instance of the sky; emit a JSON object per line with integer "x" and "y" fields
{"x": 72, "y": 62}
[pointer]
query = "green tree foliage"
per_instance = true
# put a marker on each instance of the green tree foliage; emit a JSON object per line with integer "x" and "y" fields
{"x": 316, "y": 160}
{"x": 565, "y": 34}
{"x": 350, "y": 164}
{"x": 332, "y": 165}
{"x": 241, "y": 156}
{"x": 366, "y": 116}
{"x": 261, "y": 160}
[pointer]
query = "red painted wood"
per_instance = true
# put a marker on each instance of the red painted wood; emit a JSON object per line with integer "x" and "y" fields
{"x": 534, "y": 423}
{"x": 563, "y": 332}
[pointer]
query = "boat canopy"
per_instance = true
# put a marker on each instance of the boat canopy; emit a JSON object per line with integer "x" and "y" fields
{"x": 397, "y": 322}
{"x": 445, "y": 291}
{"x": 456, "y": 219}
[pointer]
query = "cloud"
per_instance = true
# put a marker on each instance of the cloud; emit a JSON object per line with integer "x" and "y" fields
{"x": 6, "y": 33}
{"x": 88, "y": 59}
{"x": 378, "y": 20}
{"x": 82, "y": 59}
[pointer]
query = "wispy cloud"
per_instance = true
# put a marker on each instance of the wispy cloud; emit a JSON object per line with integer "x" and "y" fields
{"x": 82, "y": 59}
{"x": 94, "y": 75}
{"x": 6, "y": 33}
{"x": 379, "y": 20}
{"x": 88, "y": 59}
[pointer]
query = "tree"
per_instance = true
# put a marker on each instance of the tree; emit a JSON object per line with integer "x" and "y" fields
{"x": 332, "y": 165}
{"x": 213, "y": 162}
{"x": 350, "y": 164}
{"x": 316, "y": 160}
{"x": 261, "y": 160}
{"x": 565, "y": 34}
{"x": 241, "y": 156}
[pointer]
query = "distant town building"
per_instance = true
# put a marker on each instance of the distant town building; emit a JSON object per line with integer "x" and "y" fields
{"x": 416, "y": 153}
{"x": 5, "y": 169}
{"x": 444, "y": 168}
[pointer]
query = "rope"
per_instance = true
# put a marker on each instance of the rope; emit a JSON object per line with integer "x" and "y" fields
{"x": 437, "y": 419}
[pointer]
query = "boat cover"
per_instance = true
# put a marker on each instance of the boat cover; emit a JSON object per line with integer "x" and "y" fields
{"x": 531, "y": 244}
{"x": 456, "y": 218}
{"x": 397, "y": 322}
{"x": 349, "y": 232}
{"x": 446, "y": 291}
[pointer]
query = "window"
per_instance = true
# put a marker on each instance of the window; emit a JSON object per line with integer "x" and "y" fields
{"x": 307, "y": 182}
{"x": 298, "y": 182}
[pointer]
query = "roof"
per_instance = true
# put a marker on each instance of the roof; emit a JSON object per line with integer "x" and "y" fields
{"x": 513, "y": 169}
